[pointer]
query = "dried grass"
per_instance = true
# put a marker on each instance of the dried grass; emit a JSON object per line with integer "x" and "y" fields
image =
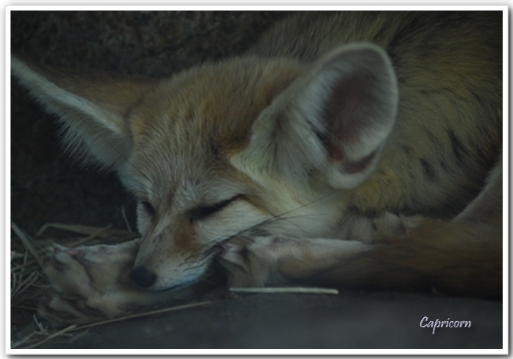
{"x": 74, "y": 327}
{"x": 27, "y": 278}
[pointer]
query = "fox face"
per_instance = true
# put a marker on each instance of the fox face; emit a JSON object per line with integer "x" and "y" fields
{"x": 247, "y": 146}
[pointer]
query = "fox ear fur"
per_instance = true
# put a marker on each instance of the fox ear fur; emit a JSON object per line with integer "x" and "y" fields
{"x": 92, "y": 106}
{"x": 334, "y": 118}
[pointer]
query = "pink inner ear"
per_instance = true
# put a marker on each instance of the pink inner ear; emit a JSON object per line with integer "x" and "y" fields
{"x": 349, "y": 113}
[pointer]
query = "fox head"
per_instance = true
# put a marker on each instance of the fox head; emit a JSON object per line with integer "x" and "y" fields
{"x": 249, "y": 145}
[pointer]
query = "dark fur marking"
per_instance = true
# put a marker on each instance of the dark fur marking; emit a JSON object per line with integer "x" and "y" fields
{"x": 403, "y": 34}
{"x": 407, "y": 150}
{"x": 432, "y": 137}
{"x": 321, "y": 136}
{"x": 479, "y": 99}
{"x": 215, "y": 149}
{"x": 428, "y": 170}
{"x": 457, "y": 147}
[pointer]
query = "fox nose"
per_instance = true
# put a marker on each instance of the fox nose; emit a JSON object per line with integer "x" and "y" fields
{"x": 143, "y": 277}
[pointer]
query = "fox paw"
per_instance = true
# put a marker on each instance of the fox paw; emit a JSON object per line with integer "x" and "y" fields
{"x": 381, "y": 228}
{"x": 251, "y": 262}
{"x": 90, "y": 283}
{"x": 268, "y": 261}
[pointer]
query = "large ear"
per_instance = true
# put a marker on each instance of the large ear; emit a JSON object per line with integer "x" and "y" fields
{"x": 92, "y": 106}
{"x": 334, "y": 118}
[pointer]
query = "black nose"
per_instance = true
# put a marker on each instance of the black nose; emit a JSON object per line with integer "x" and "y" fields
{"x": 143, "y": 277}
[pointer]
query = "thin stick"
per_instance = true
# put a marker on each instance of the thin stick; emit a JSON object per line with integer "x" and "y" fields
{"x": 285, "y": 290}
{"x": 67, "y": 329}
{"x": 21, "y": 266}
{"x": 87, "y": 230}
{"x": 165, "y": 310}
{"x": 123, "y": 212}
{"x": 14, "y": 284}
{"x": 24, "y": 307}
{"x": 27, "y": 244}
{"x": 16, "y": 255}
{"x": 17, "y": 344}
{"x": 88, "y": 238}
{"x": 25, "y": 284}
{"x": 77, "y": 336}
{"x": 40, "y": 326}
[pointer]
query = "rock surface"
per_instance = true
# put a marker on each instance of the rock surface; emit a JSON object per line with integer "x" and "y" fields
{"x": 351, "y": 320}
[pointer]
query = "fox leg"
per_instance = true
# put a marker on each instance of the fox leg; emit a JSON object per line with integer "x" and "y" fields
{"x": 462, "y": 258}
{"x": 264, "y": 261}
{"x": 271, "y": 261}
{"x": 91, "y": 283}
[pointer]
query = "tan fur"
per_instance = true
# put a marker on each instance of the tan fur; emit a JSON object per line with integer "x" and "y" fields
{"x": 333, "y": 126}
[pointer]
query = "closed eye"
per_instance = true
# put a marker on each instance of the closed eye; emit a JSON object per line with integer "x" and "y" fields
{"x": 148, "y": 208}
{"x": 204, "y": 212}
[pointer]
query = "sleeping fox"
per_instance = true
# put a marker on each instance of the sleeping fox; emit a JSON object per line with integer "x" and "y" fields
{"x": 345, "y": 149}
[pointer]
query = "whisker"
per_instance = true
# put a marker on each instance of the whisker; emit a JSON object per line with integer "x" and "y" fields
{"x": 194, "y": 252}
{"x": 281, "y": 216}
{"x": 212, "y": 248}
{"x": 196, "y": 265}
{"x": 292, "y": 223}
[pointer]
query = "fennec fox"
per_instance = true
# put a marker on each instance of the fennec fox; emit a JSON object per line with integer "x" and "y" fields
{"x": 316, "y": 158}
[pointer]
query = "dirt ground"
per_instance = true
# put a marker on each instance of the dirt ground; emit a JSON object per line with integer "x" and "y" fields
{"x": 47, "y": 186}
{"x": 350, "y": 320}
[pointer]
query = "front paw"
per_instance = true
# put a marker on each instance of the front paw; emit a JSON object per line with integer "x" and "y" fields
{"x": 254, "y": 262}
{"x": 273, "y": 261}
{"x": 89, "y": 283}
{"x": 63, "y": 309}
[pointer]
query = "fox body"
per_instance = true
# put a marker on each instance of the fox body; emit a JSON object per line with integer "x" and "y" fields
{"x": 305, "y": 159}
